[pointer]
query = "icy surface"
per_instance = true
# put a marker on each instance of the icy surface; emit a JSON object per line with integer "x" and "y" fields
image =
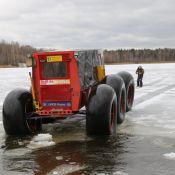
{"x": 120, "y": 173}
{"x": 66, "y": 169}
{"x": 146, "y": 138}
{"x": 153, "y": 109}
{"x": 42, "y": 137}
{"x": 41, "y": 140}
{"x": 170, "y": 156}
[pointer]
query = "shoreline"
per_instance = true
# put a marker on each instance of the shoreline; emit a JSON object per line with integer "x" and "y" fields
{"x": 7, "y": 66}
{"x": 140, "y": 63}
{"x": 11, "y": 66}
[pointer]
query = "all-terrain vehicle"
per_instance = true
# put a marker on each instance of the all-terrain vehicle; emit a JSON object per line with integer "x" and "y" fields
{"x": 61, "y": 84}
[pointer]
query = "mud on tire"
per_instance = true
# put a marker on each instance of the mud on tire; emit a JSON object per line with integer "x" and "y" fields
{"x": 101, "y": 113}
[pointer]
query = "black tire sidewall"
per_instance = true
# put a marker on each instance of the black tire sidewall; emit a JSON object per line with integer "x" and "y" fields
{"x": 98, "y": 115}
{"x": 118, "y": 85}
{"x": 130, "y": 104}
{"x": 14, "y": 118}
{"x": 129, "y": 83}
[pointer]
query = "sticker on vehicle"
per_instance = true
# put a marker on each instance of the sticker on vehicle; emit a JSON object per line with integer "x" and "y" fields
{"x": 54, "y": 104}
{"x": 55, "y": 82}
{"x": 55, "y": 58}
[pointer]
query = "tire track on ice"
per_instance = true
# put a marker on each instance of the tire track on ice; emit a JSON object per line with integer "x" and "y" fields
{"x": 153, "y": 94}
{"x": 153, "y": 82}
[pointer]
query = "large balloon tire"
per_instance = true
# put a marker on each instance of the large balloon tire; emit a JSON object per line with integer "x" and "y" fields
{"x": 18, "y": 103}
{"x": 130, "y": 88}
{"x": 118, "y": 85}
{"x": 101, "y": 113}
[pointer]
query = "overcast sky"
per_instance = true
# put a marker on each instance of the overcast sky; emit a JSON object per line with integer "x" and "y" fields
{"x": 87, "y": 24}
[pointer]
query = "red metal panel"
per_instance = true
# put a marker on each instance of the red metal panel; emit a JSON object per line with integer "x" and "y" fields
{"x": 75, "y": 83}
{"x": 57, "y": 94}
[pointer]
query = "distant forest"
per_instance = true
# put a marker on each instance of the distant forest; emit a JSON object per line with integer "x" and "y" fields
{"x": 14, "y": 53}
{"x": 139, "y": 55}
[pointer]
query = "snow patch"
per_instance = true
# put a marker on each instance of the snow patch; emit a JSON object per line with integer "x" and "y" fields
{"x": 170, "y": 156}
{"x": 66, "y": 169}
{"x": 18, "y": 152}
{"x": 120, "y": 173}
{"x": 42, "y": 137}
{"x": 59, "y": 158}
{"x": 41, "y": 140}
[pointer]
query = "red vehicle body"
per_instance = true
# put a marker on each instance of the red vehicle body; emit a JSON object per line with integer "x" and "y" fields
{"x": 58, "y": 93}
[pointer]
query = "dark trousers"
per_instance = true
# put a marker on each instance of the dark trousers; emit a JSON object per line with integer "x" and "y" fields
{"x": 139, "y": 81}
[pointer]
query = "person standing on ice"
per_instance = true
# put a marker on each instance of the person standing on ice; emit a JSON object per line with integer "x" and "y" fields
{"x": 140, "y": 72}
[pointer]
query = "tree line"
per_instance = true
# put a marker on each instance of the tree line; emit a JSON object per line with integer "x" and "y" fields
{"x": 14, "y": 53}
{"x": 139, "y": 55}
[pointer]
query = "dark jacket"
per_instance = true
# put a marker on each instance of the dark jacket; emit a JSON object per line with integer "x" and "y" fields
{"x": 140, "y": 72}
